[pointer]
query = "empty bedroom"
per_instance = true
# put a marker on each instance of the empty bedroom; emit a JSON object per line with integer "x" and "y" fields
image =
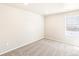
{"x": 39, "y": 29}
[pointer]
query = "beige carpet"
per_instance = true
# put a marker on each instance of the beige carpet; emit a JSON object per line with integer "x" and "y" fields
{"x": 45, "y": 47}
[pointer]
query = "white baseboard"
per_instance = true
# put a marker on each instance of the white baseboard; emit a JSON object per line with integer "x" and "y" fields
{"x": 62, "y": 41}
{"x": 19, "y": 46}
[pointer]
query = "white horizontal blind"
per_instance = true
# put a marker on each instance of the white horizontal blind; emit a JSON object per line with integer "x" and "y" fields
{"x": 72, "y": 25}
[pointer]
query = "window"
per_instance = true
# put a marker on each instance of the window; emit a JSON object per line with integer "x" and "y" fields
{"x": 72, "y": 25}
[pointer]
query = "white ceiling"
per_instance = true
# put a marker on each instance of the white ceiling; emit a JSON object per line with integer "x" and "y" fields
{"x": 47, "y": 8}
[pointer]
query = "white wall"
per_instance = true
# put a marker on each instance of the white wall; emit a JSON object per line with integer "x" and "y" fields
{"x": 55, "y": 28}
{"x": 19, "y": 27}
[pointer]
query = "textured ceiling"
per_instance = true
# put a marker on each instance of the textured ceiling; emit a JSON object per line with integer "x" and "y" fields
{"x": 47, "y": 8}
